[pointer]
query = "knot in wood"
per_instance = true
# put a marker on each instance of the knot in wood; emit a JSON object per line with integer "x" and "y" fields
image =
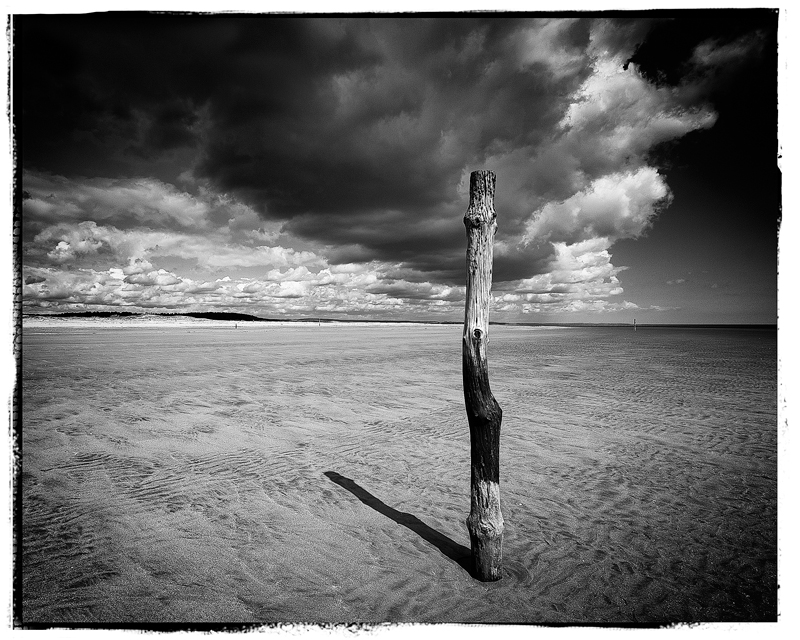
{"x": 478, "y": 219}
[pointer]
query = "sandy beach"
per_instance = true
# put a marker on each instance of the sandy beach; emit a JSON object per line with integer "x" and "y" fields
{"x": 195, "y": 472}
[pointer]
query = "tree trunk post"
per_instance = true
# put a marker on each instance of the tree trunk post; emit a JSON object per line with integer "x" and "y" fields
{"x": 485, "y": 522}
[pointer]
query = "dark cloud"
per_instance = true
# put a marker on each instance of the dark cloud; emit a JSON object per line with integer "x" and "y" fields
{"x": 324, "y": 122}
{"x": 515, "y": 265}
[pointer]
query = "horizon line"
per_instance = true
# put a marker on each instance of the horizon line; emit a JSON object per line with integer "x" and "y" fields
{"x": 243, "y": 317}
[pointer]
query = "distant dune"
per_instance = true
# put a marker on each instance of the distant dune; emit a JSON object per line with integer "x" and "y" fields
{"x": 197, "y": 321}
{"x": 129, "y": 318}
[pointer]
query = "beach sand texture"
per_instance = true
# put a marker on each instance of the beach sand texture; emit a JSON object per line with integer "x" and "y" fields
{"x": 321, "y": 474}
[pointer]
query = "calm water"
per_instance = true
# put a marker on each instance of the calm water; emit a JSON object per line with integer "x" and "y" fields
{"x": 185, "y": 475}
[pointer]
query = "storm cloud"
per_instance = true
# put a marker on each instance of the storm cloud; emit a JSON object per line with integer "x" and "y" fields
{"x": 259, "y": 146}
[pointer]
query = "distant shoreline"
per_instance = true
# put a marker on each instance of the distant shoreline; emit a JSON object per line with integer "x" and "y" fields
{"x": 98, "y": 318}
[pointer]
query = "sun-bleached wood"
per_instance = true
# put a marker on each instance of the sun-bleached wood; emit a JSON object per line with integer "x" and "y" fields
{"x": 485, "y": 521}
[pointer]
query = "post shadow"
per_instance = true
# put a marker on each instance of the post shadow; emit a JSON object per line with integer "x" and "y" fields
{"x": 458, "y": 553}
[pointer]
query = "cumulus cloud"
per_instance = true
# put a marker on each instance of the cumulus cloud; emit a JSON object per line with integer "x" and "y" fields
{"x": 579, "y": 274}
{"x": 595, "y": 172}
{"x": 293, "y": 280}
{"x": 136, "y": 265}
{"x": 133, "y": 203}
{"x": 83, "y": 242}
{"x": 416, "y": 290}
{"x": 159, "y": 278}
{"x": 616, "y": 206}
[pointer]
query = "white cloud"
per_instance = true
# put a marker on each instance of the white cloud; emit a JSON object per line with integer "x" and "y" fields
{"x": 599, "y": 148}
{"x": 619, "y": 205}
{"x": 161, "y": 278}
{"x": 133, "y": 201}
{"x": 137, "y": 265}
{"x": 71, "y": 242}
{"x": 616, "y": 117}
{"x": 578, "y": 272}
{"x": 595, "y": 172}
{"x": 292, "y": 280}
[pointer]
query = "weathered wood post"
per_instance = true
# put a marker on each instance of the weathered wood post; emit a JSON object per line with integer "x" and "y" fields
{"x": 485, "y": 522}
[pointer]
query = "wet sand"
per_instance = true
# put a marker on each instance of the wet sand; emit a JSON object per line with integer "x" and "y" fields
{"x": 196, "y": 473}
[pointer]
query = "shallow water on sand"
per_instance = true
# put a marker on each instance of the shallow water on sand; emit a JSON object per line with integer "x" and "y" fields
{"x": 321, "y": 474}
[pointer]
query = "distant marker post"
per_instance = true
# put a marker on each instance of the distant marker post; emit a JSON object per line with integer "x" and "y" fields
{"x": 485, "y": 521}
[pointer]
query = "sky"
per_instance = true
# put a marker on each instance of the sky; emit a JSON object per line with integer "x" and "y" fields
{"x": 298, "y": 166}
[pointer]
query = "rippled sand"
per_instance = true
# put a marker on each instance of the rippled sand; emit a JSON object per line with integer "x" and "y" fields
{"x": 321, "y": 474}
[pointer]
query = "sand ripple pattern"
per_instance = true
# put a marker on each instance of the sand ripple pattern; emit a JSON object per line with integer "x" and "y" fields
{"x": 321, "y": 475}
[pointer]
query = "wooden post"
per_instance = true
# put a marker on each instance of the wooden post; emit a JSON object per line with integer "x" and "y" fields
{"x": 485, "y": 522}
